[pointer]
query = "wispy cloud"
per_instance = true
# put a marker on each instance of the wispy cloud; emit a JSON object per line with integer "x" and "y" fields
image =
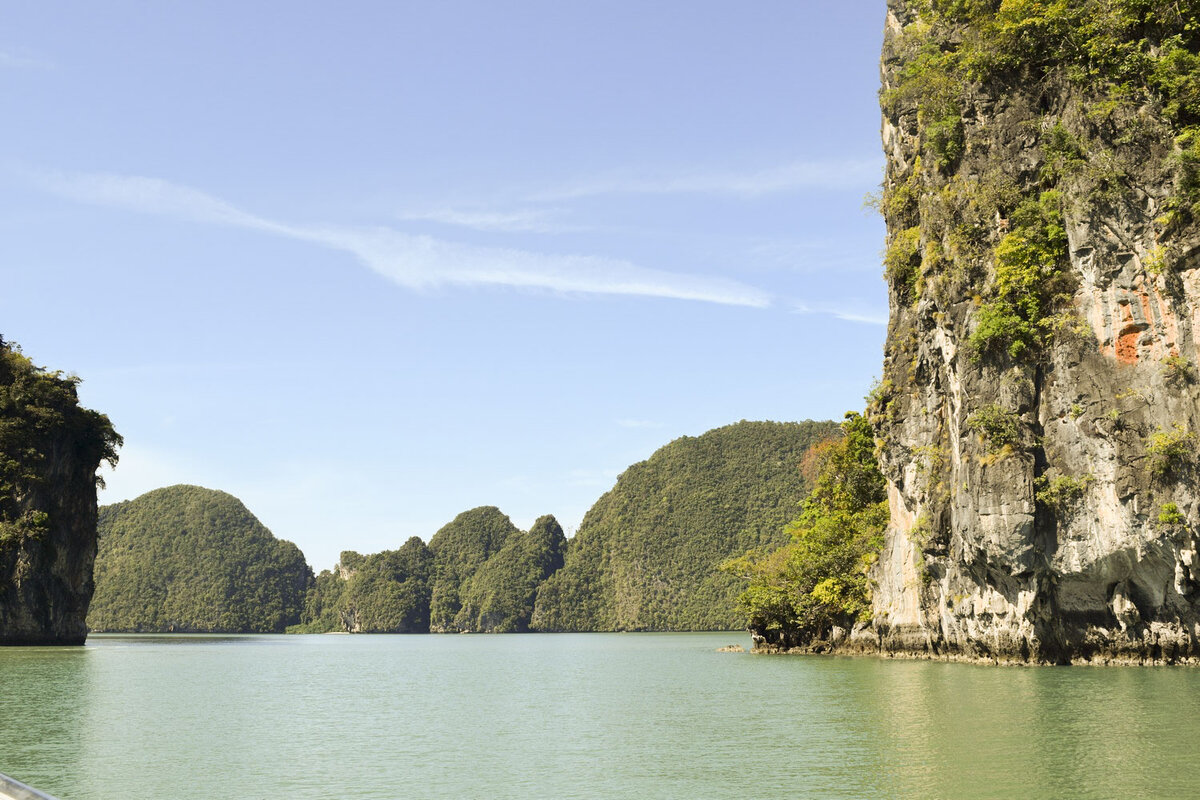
{"x": 14, "y": 59}
{"x": 812, "y": 256}
{"x": 788, "y": 177}
{"x": 638, "y": 423}
{"x": 525, "y": 220}
{"x": 412, "y": 261}
{"x": 420, "y": 262}
{"x": 863, "y": 313}
{"x": 150, "y": 196}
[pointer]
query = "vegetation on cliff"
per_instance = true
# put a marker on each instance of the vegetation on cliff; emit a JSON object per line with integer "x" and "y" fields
{"x": 647, "y": 555}
{"x": 461, "y": 547}
{"x": 1136, "y": 59}
{"x": 40, "y": 421}
{"x": 50, "y": 449}
{"x": 188, "y": 559}
{"x": 386, "y": 592}
{"x": 798, "y": 592}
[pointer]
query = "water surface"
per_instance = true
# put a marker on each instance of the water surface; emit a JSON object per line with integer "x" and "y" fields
{"x": 577, "y": 716}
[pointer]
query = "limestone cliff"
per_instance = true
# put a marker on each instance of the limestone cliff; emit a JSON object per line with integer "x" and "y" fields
{"x": 1039, "y": 406}
{"x": 49, "y": 451}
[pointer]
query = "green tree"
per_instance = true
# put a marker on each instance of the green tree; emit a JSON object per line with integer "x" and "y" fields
{"x": 797, "y": 593}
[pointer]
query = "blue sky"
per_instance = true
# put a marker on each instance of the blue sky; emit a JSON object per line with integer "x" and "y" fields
{"x": 368, "y": 265}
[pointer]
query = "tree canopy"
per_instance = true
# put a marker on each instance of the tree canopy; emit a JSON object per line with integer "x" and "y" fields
{"x": 41, "y": 421}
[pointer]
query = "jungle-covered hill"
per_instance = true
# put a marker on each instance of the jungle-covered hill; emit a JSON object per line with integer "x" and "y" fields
{"x": 648, "y": 553}
{"x": 478, "y": 573}
{"x": 189, "y": 559}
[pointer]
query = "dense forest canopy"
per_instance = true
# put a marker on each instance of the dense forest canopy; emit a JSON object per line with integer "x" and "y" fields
{"x": 647, "y": 554}
{"x": 499, "y": 597}
{"x": 461, "y": 547}
{"x": 189, "y": 559}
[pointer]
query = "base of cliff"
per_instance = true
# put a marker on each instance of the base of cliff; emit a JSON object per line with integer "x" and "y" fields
{"x": 1153, "y": 646}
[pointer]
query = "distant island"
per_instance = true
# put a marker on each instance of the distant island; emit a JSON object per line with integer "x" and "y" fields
{"x": 184, "y": 559}
{"x": 647, "y": 556}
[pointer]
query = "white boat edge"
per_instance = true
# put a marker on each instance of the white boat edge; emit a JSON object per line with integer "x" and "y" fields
{"x": 11, "y": 789}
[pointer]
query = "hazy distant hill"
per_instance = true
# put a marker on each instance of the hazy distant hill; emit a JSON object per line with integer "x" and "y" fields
{"x": 647, "y": 554}
{"x": 189, "y": 559}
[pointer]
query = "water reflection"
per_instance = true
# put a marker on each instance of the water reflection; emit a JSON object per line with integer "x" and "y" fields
{"x": 957, "y": 730}
{"x": 577, "y": 716}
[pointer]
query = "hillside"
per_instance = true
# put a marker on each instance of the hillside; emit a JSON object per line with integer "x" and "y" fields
{"x": 499, "y": 597}
{"x": 188, "y": 559}
{"x": 647, "y": 554}
{"x": 50, "y": 449}
{"x": 460, "y": 548}
{"x": 478, "y": 573}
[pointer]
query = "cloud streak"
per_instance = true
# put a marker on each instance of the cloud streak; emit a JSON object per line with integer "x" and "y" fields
{"x": 789, "y": 177}
{"x": 15, "y": 60}
{"x": 411, "y": 261}
{"x": 865, "y": 315}
{"x": 526, "y": 220}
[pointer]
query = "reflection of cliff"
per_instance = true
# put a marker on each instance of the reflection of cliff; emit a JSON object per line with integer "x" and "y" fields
{"x": 1039, "y": 408}
{"x": 50, "y": 449}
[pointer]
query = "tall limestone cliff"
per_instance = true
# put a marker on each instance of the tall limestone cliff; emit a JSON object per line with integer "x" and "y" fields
{"x": 50, "y": 449}
{"x": 1039, "y": 409}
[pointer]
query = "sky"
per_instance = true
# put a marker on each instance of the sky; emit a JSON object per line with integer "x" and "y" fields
{"x": 369, "y": 265}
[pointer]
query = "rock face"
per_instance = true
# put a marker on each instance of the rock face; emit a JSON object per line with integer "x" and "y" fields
{"x": 1039, "y": 405}
{"x": 50, "y": 449}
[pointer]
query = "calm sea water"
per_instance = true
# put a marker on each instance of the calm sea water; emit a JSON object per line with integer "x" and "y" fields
{"x": 577, "y": 716}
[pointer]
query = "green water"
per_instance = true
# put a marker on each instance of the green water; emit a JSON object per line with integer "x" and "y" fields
{"x": 574, "y": 716}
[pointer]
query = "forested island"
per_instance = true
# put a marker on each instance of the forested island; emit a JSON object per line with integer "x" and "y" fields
{"x": 648, "y": 555}
{"x": 184, "y": 559}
